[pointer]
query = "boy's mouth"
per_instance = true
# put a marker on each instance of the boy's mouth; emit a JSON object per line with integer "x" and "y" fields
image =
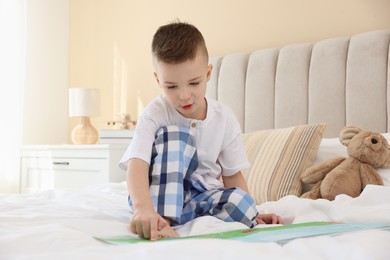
{"x": 186, "y": 107}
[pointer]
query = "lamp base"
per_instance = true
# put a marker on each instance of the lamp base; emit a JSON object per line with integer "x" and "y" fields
{"x": 85, "y": 132}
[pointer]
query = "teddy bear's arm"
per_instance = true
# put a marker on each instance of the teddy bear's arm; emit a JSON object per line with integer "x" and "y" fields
{"x": 369, "y": 175}
{"x": 318, "y": 172}
{"x": 314, "y": 193}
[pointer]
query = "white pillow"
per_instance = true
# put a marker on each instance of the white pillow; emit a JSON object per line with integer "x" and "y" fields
{"x": 332, "y": 148}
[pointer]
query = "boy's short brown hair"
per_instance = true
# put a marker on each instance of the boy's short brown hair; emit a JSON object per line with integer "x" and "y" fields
{"x": 177, "y": 42}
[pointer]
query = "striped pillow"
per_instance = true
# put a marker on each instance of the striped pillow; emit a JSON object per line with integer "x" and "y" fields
{"x": 278, "y": 157}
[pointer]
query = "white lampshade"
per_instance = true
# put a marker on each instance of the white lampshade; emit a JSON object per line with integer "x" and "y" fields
{"x": 84, "y": 102}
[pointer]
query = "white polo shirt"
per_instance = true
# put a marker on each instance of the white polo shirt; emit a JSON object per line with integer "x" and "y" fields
{"x": 218, "y": 139}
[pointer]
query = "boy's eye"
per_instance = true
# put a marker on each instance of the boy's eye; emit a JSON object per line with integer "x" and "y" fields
{"x": 171, "y": 87}
{"x": 194, "y": 83}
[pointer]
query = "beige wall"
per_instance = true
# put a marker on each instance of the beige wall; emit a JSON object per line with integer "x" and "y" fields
{"x": 110, "y": 39}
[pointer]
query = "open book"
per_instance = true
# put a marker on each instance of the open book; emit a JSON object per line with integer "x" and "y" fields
{"x": 280, "y": 234}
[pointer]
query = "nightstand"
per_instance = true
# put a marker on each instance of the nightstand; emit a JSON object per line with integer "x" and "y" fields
{"x": 46, "y": 167}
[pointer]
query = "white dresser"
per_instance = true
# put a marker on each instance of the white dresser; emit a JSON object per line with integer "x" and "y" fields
{"x": 69, "y": 166}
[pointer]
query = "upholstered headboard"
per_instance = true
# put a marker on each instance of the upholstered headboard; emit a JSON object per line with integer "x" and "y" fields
{"x": 341, "y": 81}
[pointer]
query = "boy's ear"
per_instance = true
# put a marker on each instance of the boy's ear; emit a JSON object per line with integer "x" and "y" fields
{"x": 156, "y": 77}
{"x": 209, "y": 70}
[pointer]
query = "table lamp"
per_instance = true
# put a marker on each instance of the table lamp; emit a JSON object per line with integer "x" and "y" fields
{"x": 84, "y": 103}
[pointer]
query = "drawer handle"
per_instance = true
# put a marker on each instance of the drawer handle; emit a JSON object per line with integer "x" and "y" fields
{"x": 61, "y": 163}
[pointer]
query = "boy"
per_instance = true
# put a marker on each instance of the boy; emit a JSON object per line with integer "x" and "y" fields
{"x": 187, "y": 153}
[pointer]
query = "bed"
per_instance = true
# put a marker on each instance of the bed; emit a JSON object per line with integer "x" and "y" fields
{"x": 316, "y": 87}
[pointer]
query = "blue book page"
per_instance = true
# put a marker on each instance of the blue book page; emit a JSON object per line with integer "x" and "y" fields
{"x": 307, "y": 231}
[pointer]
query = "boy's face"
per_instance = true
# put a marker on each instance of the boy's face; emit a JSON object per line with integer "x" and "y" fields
{"x": 184, "y": 85}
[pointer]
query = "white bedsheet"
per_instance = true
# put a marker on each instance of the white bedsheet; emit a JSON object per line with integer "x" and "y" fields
{"x": 61, "y": 224}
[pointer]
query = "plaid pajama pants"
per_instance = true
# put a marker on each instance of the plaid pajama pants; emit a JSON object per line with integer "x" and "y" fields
{"x": 176, "y": 195}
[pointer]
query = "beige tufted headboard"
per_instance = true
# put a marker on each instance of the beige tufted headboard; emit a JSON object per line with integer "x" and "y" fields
{"x": 341, "y": 81}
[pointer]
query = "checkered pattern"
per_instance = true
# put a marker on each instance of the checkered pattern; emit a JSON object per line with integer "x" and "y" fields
{"x": 175, "y": 194}
{"x": 230, "y": 205}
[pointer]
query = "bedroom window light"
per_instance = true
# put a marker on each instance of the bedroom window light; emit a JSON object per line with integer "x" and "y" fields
{"x": 12, "y": 44}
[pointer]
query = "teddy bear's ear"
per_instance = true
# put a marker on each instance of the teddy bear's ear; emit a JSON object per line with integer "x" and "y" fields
{"x": 347, "y": 133}
{"x": 386, "y": 164}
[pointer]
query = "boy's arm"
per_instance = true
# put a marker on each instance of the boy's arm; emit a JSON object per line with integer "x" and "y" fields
{"x": 236, "y": 180}
{"x": 145, "y": 220}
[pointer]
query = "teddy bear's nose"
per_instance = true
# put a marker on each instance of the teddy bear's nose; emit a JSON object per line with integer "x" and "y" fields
{"x": 374, "y": 141}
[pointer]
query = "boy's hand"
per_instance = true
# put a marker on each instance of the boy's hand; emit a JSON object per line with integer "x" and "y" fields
{"x": 269, "y": 219}
{"x": 147, "y": 223}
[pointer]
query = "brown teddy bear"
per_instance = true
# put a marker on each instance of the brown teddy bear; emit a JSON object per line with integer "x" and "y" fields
{"x": 367, "y": 150}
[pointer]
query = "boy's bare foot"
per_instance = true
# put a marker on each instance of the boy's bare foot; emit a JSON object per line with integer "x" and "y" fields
{"x": 167, "y": 231}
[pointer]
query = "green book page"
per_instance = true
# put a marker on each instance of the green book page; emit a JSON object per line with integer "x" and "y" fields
{"x": 266, "y": 234}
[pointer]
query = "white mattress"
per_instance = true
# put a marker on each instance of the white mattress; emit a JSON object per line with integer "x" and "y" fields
{"x": 62, "y": 224}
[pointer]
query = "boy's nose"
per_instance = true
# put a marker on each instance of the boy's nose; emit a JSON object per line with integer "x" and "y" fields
{"x": 185, "y": 93}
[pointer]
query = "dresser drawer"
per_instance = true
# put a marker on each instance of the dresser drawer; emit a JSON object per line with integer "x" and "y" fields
{"x": 46, "y": 167}
{"x": 47, "y": 173}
